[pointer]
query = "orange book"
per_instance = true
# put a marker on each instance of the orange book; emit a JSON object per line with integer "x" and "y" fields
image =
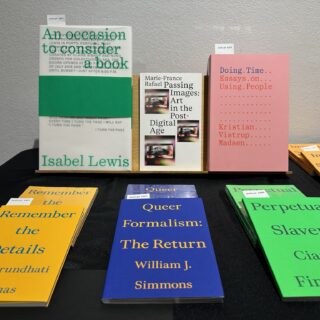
{"x": 313, "y": 158}
{"x": 63, "y": 196}
{"x": 34, "y": 243}
{"x": 295, "y": 153}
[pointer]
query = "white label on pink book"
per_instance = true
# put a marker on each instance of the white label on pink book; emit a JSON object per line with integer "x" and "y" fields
{"x": 224, "y": 48}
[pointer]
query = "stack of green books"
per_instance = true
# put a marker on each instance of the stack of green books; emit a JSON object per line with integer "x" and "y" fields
{"x": 236, "y": 193}
{"x": 285, "y": 224}
{"x": 288, "y": 229}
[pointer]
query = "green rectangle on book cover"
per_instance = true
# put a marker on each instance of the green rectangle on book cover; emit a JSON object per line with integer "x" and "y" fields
{"x": 236, "y": 195}
{"x": 78, "y": 96}
{"x": 289, "y": 234}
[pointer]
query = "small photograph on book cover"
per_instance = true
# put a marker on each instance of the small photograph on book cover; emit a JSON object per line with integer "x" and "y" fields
{"x": 188, "y": 130}
{"x": 159, "y": 150}
{"x": 156, "y": 101}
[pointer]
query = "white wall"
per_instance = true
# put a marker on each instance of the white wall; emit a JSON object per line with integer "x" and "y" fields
{"x": 168, "y": 36}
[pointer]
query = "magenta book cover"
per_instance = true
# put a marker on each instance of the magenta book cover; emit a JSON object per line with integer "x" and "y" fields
{"x": 248, "y": 113}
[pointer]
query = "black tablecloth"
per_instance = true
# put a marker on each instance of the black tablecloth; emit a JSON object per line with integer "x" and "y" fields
{"x": 250, "y": 291}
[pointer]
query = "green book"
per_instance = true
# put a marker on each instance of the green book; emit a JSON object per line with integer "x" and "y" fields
{"x": 289, "y": 233}
{"x": 236, "y": 193}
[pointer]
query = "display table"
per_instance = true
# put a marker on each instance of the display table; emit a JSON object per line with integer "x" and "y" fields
{"x": 250, "y": 291}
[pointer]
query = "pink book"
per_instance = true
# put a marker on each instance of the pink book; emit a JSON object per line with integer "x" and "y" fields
{"x": 248, "y": 113}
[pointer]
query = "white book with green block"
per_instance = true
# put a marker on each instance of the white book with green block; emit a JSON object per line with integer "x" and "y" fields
{"x": 85, "y": 98}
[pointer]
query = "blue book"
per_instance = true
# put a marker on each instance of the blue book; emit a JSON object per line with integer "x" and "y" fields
{"x": 153, "y": 191}
{"x": 162, "y": 252}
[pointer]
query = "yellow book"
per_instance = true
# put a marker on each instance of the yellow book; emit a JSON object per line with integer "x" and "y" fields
{"x": 67, "y": 196}
{"x": 295, "y": 153}
{"x": 303, "y": 164}
{"x": 313, "y": 158}
{"x": 34, "y": 242}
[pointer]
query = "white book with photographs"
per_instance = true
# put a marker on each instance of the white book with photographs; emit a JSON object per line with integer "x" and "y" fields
{"x": 171, "y": 122}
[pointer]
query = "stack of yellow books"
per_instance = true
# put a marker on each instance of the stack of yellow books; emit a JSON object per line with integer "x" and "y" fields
{"x": 306, "y": 156}
{"x": 63, "y": 196}
{"x": 35, "y": 240}
{"x": 313, "y": 158}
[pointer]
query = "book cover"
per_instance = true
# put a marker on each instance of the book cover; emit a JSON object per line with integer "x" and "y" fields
{"x": 248, "y": 113}
{"x": 236, "y": 194}
{"x": 313, "y": 158}
{"x": 295, "y": 153}
{"x": 162, "y": 252}
{"x": 33, "y": 251}
{"x": 171, "y": 108}
{"x": 63, "y": 196}
{"x": 153, "y": 191}
{"x": 85, "y": 98}
{"x": 289, "y": 234}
